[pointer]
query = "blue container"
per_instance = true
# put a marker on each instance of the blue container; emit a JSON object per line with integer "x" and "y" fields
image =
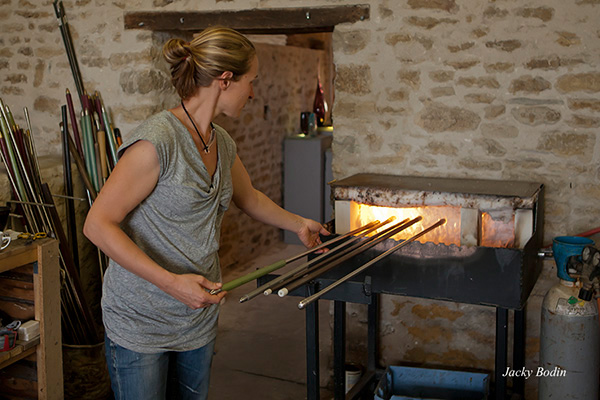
{"x": 406, "y": 383}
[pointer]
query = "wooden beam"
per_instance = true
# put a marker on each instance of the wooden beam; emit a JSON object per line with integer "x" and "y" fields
{"x": 255, "y": 21}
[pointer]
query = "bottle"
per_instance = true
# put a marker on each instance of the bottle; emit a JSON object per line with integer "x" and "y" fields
{"x": 319, "y": 106}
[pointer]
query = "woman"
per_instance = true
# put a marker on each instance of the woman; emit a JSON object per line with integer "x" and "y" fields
{"x": 158, "y": 218}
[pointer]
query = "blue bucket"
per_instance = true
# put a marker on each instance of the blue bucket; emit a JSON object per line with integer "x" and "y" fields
{"x": 564, "y": 247}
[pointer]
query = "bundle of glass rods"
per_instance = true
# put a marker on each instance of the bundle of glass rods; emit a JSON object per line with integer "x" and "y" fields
{"x": 34, "y": 199}
{"x": 97, "y": 145}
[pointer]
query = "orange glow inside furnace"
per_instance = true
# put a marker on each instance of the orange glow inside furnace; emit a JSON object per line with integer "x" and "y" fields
{"x": 491, "y": 233}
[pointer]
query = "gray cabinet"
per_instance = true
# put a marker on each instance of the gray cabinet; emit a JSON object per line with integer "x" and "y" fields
{"x": 306, "y": 171}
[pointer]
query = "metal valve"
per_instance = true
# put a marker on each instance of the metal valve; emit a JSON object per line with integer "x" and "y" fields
{"x": 587, "y": 270}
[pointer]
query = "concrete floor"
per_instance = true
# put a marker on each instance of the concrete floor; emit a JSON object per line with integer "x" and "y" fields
{"x": 261, "y": 344}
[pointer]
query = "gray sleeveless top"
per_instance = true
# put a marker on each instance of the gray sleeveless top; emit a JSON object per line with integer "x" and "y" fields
{"x": 178, "y": 226}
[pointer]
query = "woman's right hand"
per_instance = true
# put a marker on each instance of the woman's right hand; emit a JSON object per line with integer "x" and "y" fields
{"x": 193, "y": 290}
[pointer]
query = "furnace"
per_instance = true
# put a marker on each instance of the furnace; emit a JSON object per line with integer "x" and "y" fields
{"x": 485, "y": 250}
{"x": 486, "y": 253}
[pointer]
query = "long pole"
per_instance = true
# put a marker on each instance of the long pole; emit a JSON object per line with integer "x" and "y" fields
{"x": 112, "y": 143}
{"x": 18, "y": 163}
{"x": 267, "y": 286}
{"x": 292, "y": 277}
{"x": 360, "y": 269}
{"x": 66, "y": 36}
{"x": 74, "y": 123}
{"x": 20, "y": 191}
{"x": 69, "y": 203}
{"x": 82, "y": 170}
{"x": 321, "y": 270}
{"x": 90, "y": 153}
{"x": 282, "y": 263}
{"x": 71, "y": 272}
{"x": 34, "y": 157}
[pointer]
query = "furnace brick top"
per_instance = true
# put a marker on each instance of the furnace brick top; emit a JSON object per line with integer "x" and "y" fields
{"x": 410, "y": 191}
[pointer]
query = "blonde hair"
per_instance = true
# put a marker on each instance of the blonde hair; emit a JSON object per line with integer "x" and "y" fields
{"x": 197, "y": 63}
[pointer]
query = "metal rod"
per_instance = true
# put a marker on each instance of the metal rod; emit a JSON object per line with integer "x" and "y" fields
{"x": 72, "y": 274}
{"x": 21, "y": 148}
{"x": 68, "y": 183}
{"x": 338, "y": 251}
{"x": 20, "y": 191}
{"x": 31, "y": 203}
{"x": 314, "y": 267}
{"x": 7, "y": 164}
{"x": 38, "y": 175}
{"x": 102, "y": 152}
{"x": 62, "y": 196}
{"x": 360, "y": 269}
{"x": 70, "y": 50}
{"x": 82, "y": 170}
{"x": 74, "y": 123}
{"x": 322, "y": 269}
{"x": 281, "y": 263}
{"x": 32, "y": 150}
{"x": 18, "y": 163}
{"x": 112, "y": 143}
{"x": 267, "y": 286}
{"x": 88, "y": 142}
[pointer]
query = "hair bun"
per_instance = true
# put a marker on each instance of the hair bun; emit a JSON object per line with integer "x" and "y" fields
{"x": 176, "y": 51}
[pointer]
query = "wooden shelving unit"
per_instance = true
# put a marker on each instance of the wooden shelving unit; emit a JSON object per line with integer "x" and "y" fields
{"x": 43, "y": 256}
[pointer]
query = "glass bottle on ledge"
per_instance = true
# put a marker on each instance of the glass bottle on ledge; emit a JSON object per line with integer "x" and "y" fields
{"x": 319, "y": 106}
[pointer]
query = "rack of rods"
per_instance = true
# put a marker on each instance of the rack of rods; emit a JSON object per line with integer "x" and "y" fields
{"x": 338, "y": 251}
{"x": 95, "y": 141}
{"x": 35, "y": 203}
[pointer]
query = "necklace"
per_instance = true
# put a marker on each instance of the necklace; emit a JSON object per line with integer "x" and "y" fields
{"x": 212, "y": 131}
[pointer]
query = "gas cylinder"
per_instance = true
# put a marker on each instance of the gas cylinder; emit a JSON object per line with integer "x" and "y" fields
{"x": 570, "y": 329}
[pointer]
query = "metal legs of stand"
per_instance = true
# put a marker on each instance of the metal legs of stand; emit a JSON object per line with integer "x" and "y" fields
{"x": 339, "y": 349}
{"x": 501, "y": 351}
{"x": 312, "y": 349}
{"x": 501, "y": 356}
{"x": 373, "y": 344}
{"x": 519, "y": 351}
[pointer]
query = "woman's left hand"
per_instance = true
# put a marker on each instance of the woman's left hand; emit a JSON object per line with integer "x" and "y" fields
{"x": 309, "y": 232}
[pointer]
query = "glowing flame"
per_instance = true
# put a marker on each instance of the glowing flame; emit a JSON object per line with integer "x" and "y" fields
{"x": 493, "y": 233}
{"x": 448, "y": 233}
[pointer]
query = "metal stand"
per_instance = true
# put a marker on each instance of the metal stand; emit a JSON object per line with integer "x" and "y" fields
{"x": 365, "y": 291}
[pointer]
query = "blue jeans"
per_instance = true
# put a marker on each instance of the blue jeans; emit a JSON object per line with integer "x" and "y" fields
{"x": 167, "y": 375}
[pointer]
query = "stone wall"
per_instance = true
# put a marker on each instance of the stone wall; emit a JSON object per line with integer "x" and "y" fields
{"x": 498, "y": 89}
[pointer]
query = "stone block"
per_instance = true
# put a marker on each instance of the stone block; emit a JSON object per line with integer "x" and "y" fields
{"x": 568, "y": 144}
{"x": 535, "y": 116}
{"x": 543, "y": 13}
{"x": 437, "y": 117}
{"x": 445, "y": 5}
{"x": 529, "y": 84}
{"x": 504, "y": 45}
{"x": 584, "y": 82}
{"x": 354, "y": 79}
